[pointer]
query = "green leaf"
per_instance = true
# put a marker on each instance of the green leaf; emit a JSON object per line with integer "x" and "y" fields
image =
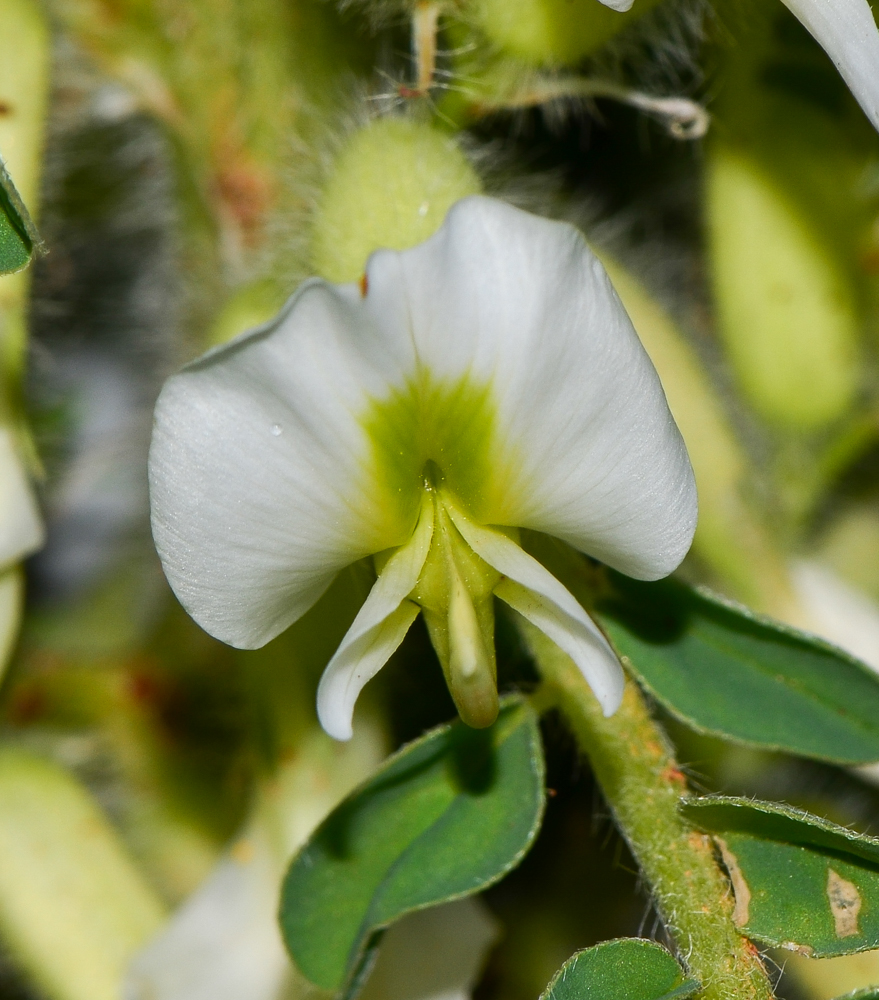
{"x": 627, "y": 969}
{"x": 445, "y": 817}
{"x": 724, "y": 670}
{"x": 868, "y": 993}
{"x": 800, "y": 882}
{"x": 18, "y": 235}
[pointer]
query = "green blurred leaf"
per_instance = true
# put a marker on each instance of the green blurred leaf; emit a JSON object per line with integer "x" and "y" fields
{"x": 626, "y": 969}
{"x": 801, "y": 882}
{"x": 446, "y": 816}
{"x": 18, "y": 235}
{"x": 724, "y": 670}
{"x": 868, "y": 993}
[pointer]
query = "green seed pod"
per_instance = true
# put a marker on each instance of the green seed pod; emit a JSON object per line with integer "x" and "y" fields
{"x": 786, "y": 308}
{"x": 391, "y": 186}
{"x": 552, "y": 31}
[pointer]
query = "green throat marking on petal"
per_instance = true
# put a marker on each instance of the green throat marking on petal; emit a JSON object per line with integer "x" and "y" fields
{"x": 437, "y": 441}
{"x": 452, "y": 424}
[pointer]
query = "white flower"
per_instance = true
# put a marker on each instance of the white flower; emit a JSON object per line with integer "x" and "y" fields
{"x": 847, "y": 32}
{"x": 484, "y": 381}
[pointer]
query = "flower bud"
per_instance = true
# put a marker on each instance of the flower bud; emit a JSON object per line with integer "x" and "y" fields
{"x": 391, "y": 187}
{"x": 552, "y": 31}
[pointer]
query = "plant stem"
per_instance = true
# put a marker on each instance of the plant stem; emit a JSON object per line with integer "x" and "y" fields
{"x": 635, "y": 766}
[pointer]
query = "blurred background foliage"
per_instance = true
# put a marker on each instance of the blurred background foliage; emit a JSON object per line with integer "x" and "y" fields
{"x": 189, "y": 163}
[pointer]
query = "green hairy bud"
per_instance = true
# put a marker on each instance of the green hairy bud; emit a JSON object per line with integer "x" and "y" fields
{"x": 391, "y": 187}
{"x": 553, "y": 31}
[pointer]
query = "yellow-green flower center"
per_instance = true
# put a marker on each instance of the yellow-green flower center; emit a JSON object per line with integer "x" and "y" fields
{"x": 452, "y": 424}
{"x": 437, "y": 442}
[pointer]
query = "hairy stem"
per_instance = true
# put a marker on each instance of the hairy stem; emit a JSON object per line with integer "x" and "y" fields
{"x": 424, "y": 29}
{"x": 635, "y": 766}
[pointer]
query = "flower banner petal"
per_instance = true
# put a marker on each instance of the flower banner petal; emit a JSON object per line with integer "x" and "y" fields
{"x": 379, "y": 628}
{"x": 586, "y": 447}
{"x": 538, "y": 596}
{"x": 847, "y": 32}
{"x": 620, "y": 5}
{"x": 259, "y": 479}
